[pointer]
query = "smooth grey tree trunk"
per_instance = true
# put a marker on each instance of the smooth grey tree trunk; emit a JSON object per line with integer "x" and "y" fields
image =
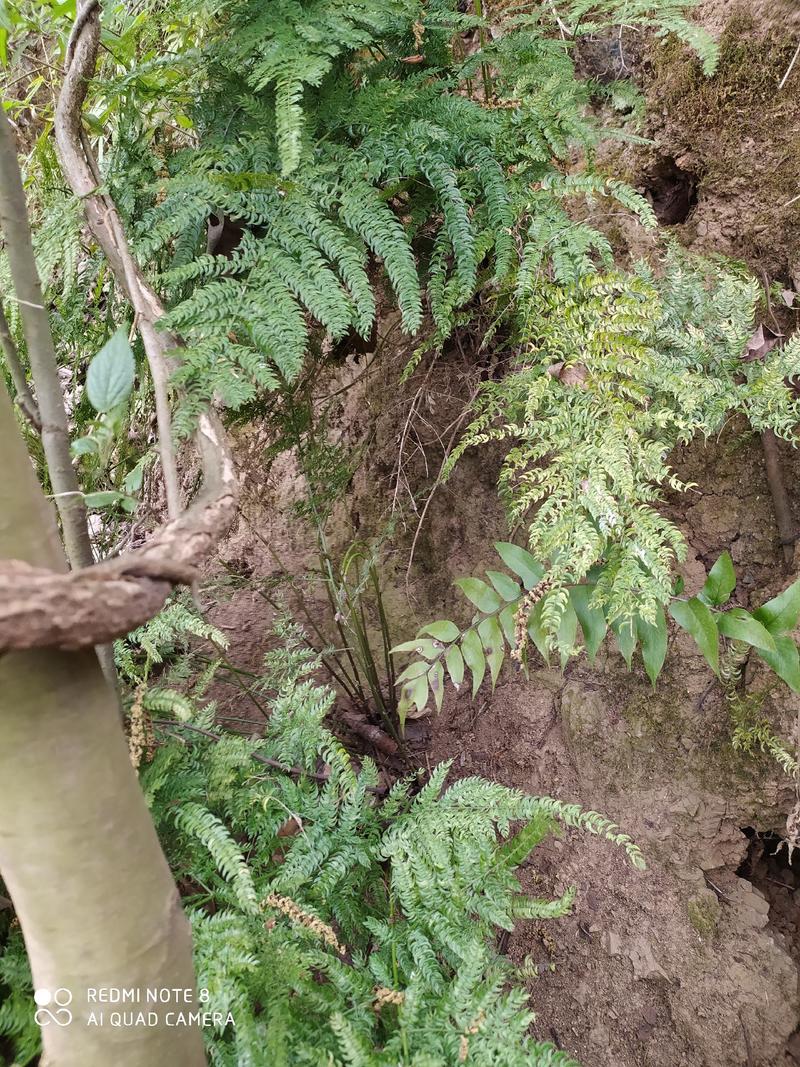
{"x": 78, "y": 852}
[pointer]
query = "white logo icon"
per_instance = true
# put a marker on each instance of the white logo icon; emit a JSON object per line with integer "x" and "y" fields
{"x": 59, "y": 1014}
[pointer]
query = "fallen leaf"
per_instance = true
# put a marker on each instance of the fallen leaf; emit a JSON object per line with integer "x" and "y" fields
{"x": 788, "y": 296}
{"x": 760, "y": 344}
{"x": 413, "y": 59}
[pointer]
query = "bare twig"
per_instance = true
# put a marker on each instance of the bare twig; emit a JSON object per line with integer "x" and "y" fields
{"x": 780, "y": 498}
{"x": 295, "y": 772}
{"x": 43, "y": 609}
{"x": 790, "y": 68}
{"x": 80, "y": 170}
{"x": 747, "y": 1046}
{"x": 25, "y": 401}
{"x": 370, "y": 733}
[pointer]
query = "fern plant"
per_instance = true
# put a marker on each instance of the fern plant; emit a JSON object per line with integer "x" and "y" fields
{"x": 334, "y": 922}
{"x": 533, "y": 608}
{"x": 333, "y": 137}
{"x": 166, "y": 637}
{"x": 615, "y": 371}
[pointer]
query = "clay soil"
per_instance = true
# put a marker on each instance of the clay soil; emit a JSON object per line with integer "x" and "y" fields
{"x": 695, "y": 961}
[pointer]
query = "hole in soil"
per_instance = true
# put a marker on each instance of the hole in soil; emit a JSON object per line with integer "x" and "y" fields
{"x": 776, "y": 874}
{"x": 672, "y": 191}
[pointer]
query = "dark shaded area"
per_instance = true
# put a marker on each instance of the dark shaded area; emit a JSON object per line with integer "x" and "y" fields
{"x": 672, "y": 191}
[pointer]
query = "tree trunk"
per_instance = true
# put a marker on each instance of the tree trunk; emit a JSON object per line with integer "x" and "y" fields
{"x": 78, "y": 852}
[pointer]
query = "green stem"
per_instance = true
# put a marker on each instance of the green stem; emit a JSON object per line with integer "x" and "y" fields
{"x": 486, "y": 75}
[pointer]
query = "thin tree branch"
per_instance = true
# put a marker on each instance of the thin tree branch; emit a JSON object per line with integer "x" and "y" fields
{"x": 41, "y": 353}
{"x": 80, "y": 170}
{"x": 780, "y": 498}
{"x": 295, "y": 772}
{"x": 43, "y": 609}
{"x": 24, "y": 398}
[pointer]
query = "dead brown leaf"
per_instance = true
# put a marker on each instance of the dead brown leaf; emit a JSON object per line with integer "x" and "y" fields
{"x": 760, "y": 344}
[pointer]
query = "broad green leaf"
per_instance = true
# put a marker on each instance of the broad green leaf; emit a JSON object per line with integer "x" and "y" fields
{"x": 785, "y": 660}
{"x": 653, "y": 638}
{"x": 492, "y": 638}
{"x": 423, "y": 646}
{"x": 109, "y": 380}
{"x": 593, "y": 622}
{"x": 520, "y": 562}
{"x": 507, "y": 618}
{"x": 627, "y": 638}
{"x": 104, "y": 499}
{"x": 472, "y": 650}
{"x": 436, "y": 682}
{"x": 780, "y": 614}
{"x": 482, "y": 595}
{"x": 720, "y": 583}
{"x": 505, "y": 586}
{"x": 412, "y": 671}
{"x": 84, "y": 446}
{"x": 694, "y": 617}
{"x": 444, "y": 630}
{"x": 414, "y": 692}
{"x": 132, "y": 482}
{"x": 454, "y": 662}
{"x": 537, "y": 632}
{"x": 739, "y": 625}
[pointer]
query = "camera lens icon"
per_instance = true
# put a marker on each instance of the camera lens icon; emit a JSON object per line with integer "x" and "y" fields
{"x": 52, "y": 1007}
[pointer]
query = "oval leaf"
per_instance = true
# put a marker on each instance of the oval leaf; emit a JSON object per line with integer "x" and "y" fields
{"x": 520, "y": 562}
{"x": 412, "y": 693}
{"x": 592, "y": 620}
{"x": 423, "y": 646}
{"x": 720, "y": 583}
{"x": 654, "y": 644}
{"x": 492, "y": 639}
{"x": 739, "y": 625}
{"x": 537, "y": 633}
{"x": 780, "y": 614}
{"x": 472, "y": 651}
{"x": 785, "y": 660}
{"x": 454, "y": 662}
{"x": 482, "y": 595}
{"x": 505, "y": 586}
{"x": 436, "y": 682}
{"x": 104, "y": 499}
{"x": 444, "y": 630}
{"x": 412, "y": 671}
{"x": 109, "y": 379}
{"x": 694, "y": 617}
{"x": 627, "y": 638}
{"x": 508, "y": 622}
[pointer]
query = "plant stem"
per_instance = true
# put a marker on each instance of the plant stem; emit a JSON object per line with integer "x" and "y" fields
{"x": 486, "y": 75}
{"x": 27, "y": 404}
{"x": 41, "y": 354}
{"x": 780, "y": 499}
